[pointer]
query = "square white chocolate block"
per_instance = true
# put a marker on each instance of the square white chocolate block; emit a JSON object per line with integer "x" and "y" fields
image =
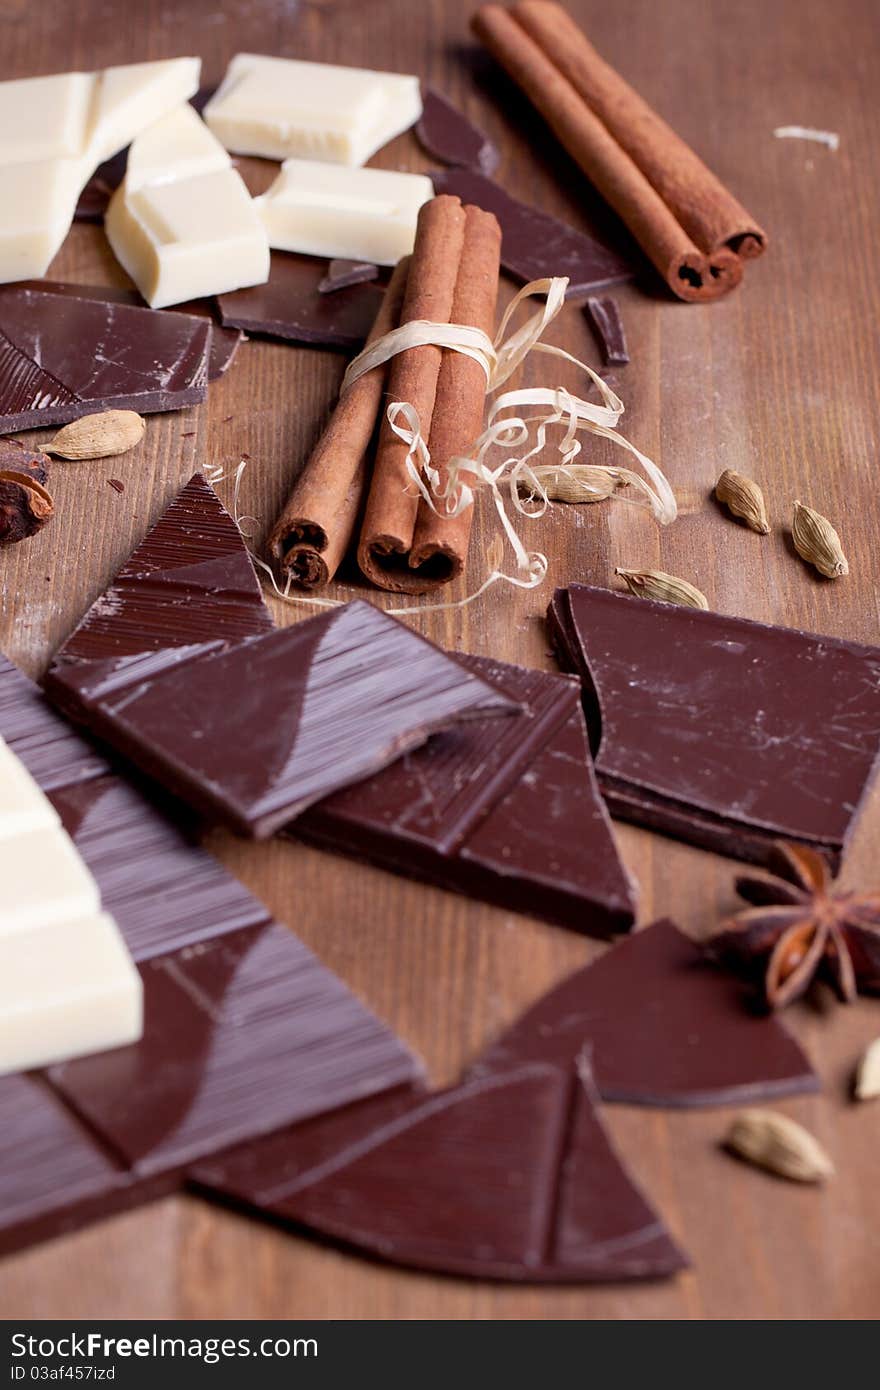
{"x": 358, "y": 214}
{"x": 45, "y": 117}
{"x": 189, "y": 237}
{"x": 66, "y": 990}
{"x": 277, "y": 107}
{"x": 131, "y": 98}
{"x": 38, "y": 207}
{"x": 180, "y": 146}
{"x": 44, "y": 881}
{"x": 23, "y": 806}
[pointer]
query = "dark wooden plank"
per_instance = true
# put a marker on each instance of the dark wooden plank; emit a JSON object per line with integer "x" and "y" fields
{"x": 778, "y": 381}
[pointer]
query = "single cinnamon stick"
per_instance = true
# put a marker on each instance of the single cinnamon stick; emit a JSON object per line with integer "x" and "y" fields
{"x": 318, "y": 520}
{"x": 440, "y": 543}
{"x": 392, "y": 504}
{"x": 692, "y": 271}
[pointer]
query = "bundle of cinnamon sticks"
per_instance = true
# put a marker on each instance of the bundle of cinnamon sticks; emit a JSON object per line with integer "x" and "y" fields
{"x": 686, "y": 221}
{"x": 356, "y": 480}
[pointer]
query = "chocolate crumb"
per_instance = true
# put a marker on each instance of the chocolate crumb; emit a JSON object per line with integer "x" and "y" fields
{"x": 116, "y": 484}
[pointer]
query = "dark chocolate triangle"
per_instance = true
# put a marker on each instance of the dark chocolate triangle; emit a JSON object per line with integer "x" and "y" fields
{"x": 62, "y": 357}
{"x": 506, "y": 810}
{"x": 661, "y": 1025}
{"x": 703, "y": 724}
{"x": 511, "y": 1177}
{"x": 447, "y": 134}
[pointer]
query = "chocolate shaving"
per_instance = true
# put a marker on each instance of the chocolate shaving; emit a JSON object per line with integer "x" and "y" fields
{"x": 604, "y": 315}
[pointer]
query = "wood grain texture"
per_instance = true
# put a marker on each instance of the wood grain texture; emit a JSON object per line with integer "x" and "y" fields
{"x": 779, "y": 381}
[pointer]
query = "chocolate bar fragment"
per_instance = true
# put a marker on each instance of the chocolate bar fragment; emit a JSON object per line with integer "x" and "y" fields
{"x": 54, "y": 1176}
{"x": 445, "y": 133}
{"x": 243, "y": 1034}
{"x": 702, "y": 725}
{"x": 290, "y": 305}
{"x": 661, "y": 1025}
{"x": 509, "y": 1177}
{"x": 503, "y": 810}
{"x": 604, "y": 315}
{"x": 249, "y": 732}
{"x": 225, "y": 342}
{"x": 341, "y": 275}
{"x": 63, "y": 356}
{"x": 533, "y": 243}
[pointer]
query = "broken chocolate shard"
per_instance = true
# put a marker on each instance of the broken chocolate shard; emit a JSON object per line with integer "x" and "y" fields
{"x": 290, "y": 306}
{"x": 446, "y": 134}
{"x": 703, "y": 725}
{"x": 508, "y": 1177}
{"x": 225, "y": 342}
{"x": 249, "y": 731}
{"x": 503, "y": 810}
{"x": 604, "y": 315}
{"x": 63, "y": 356}
{"x": 661, "y": 1025}
{"x": 54, "y": 1176}
{"x": 534, "y": 244}
{"x": 243, "y": 1034}
{"x": 341, "y": 275}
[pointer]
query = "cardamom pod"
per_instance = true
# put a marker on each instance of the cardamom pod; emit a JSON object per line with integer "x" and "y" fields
{"x": 577, "y": 482}
{"x": 98, "y": 436}
{"x": 817, "y": 542}
{"x": 744, "y": 498}
{"x": 665, "y": 587}
{"x": 773, "y": 1141}
{"x": 867, "y": 1086}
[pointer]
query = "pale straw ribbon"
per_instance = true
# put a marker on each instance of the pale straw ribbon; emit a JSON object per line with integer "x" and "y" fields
{"x": 557, "y": 406}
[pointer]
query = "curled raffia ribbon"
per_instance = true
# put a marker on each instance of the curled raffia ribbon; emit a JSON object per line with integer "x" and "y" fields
{"x": 452, "y": 493}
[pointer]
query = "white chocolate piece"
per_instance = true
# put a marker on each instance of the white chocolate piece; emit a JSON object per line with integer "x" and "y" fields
{"x": 277, "y": 107}
{"x": 55, "y": 131}
{"x": 188, "y": 228}
{"x": 180, "y": 146}
{"x": 23, "y": 806}
{"x": 44, "y": 880}
{"x": 66, "y": 989}
{"x": 357, "y": 214}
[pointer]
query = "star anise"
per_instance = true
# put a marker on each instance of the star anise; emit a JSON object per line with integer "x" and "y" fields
{"x": 798, "y": 930}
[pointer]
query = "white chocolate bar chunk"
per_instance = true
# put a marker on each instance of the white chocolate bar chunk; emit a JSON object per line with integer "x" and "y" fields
{"x": 185, "y": 227}
{"x": 55, "y": 131}
{"x": 66, "y": 989}
{"x": 44, "y": 880}
{"x": 358, "y": 214}
{"x": 277, "y": 107}
{"x": 23, "y": 806}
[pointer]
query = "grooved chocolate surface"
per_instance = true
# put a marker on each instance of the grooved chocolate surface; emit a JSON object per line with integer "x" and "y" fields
{"x": 290, "y": 305}
{"x": 506, "y": 810}
{"x": 660, "y": 1025}
{"x": 727, "y": 732}
{"x": 62, "y": 357}
{"x": 533, "y": 243}
{"x": 508, "y": 1177}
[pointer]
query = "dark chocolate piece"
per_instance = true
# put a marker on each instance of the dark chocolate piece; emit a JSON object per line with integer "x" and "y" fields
{"x": 505, "y": 810}
{"x": 62, "y": 357}
{"x": 54, "y": 1177}
{"x": 250, "y": 732}
{"x": 341, "y": 275}
{"x": 447, "y": 134}
{"x": 704, "y": 725}
{"x": 243, "y": 1034}
{"x": 511, "y": 1177}
{"x": 225, "y": 342}
{"x": 53, "y": 753}
{"x": 604, "y": 315}
{"x": 289, "y": 305}
{"x": 661, "y": 1025}
{"x": 533, "y": 243}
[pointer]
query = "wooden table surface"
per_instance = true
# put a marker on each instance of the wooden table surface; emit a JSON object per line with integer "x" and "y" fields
{"x": 779, "y": 381}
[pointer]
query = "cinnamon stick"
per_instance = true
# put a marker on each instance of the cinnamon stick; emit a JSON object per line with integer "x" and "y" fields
{"x": 318, "y": 520}
{"x": 392, "y": 505}
{"x": 440, "y": 543}
{"x": 691, "y": 227}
